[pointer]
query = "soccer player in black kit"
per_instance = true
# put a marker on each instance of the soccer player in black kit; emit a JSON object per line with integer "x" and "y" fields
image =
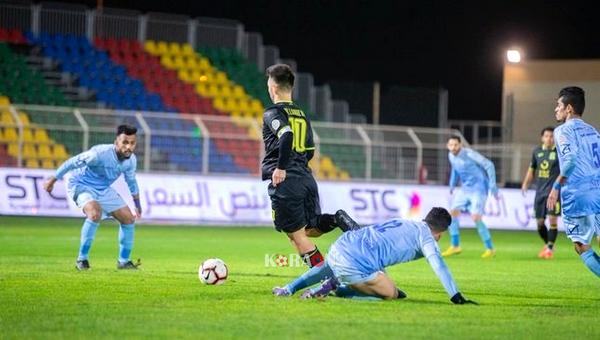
{"x": 289, "y": 146}
{"x": 544, "y": 167}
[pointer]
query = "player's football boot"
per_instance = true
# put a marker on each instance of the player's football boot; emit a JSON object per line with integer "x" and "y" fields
{"x": 488, "y": 254}
{"x": 548, "y": 254}
{"x": 344, "y": 221}
{"x": 452, "y": 250}
{"x": 281, "y": 291}
{"x": 542, "y": 253}
{"x": 129, "y": 265}
{"x": 328, "y": 286}
{"x": 82, "y": 265}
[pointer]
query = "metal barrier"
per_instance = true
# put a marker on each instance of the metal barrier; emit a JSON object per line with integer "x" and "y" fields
{"x": 16, "y": 16}
{"x": 117, "y": 24}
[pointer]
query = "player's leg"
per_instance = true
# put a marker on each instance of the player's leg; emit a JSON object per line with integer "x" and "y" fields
{"x": 477, "y": 207}
{"x": 581, "y": 231}
{"x": 380, "y": 286}
{"x": 459, "y": 203}
{"x": 539, "y": 207}
{"x": 307, "y": 250}
{"x": 552, "y": 235}
{"x": 312, "y": 276}
{"x": 112, "y": 202}
{"x": 93, "y": 213}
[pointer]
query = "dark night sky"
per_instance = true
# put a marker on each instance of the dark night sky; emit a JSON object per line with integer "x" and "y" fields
{"x": 453, "y": 44}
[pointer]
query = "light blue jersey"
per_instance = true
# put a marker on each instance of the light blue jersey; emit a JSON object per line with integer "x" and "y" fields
{"x": 476, "y": 173}
{"x": 98, "y": 168}
{"x": 578, "y": 144}
{"x": 371, "y": 249}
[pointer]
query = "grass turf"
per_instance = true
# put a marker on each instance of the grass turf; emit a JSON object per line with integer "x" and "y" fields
{"x": 42, "y": 296}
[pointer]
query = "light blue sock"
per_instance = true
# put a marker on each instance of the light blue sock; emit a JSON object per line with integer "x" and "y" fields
{"x": 314, "y": 275}
{"x": 484, "y": 234}
{"x": 454, "y": 233}
{"x": 591, "y": 260}
{"x": 344, "y": 291}
{"x": 126, "y": 232}
{"x": 88, "y": 232}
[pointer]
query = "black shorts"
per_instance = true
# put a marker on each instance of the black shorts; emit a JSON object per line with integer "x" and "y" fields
{"x": 295, "y": 203}
{"x": 540, "y": 209}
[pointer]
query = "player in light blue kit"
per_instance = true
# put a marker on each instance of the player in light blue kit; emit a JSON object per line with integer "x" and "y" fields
{"x": 478, "y": 177}
{"x": 355, "y": 265}
{"x": 578, "y": 146}
{"x": 93, "y": 172}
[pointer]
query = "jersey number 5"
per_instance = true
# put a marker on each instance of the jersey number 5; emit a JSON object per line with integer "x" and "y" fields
{"x": 298, "y": 126}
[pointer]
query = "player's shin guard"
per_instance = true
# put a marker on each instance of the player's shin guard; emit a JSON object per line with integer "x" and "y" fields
{"x": 312, "y": 276}
{"x": 313, "y": 258}
{"x": 126, "y": 232}
{"x": 325, "y": 223}
{"x": 592, "y": 261}
{"x": 88, "y": 232}
{"x": 541, "y": 227}
{"x": 484, "y": 234}
{"x": 552, "y": 234}
{"x": 454, "y": 233}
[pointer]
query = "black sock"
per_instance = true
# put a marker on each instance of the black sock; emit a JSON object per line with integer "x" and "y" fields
{"x": 312, "y": 258}
{"x": 543, "y": 232}
{"x": 325, "y": 223}
{"x": 552, "y": 234}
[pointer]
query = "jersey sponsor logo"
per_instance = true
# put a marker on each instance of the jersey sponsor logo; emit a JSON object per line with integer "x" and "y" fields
{"x": 566, "y": 148}
{"x": 572, "y": 229}
{"x": 552, "y": 156}
{"x": 540, "y": 154}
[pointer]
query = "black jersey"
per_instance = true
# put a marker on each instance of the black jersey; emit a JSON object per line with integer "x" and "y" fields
{"x": 544, "y": 162}
{"x": 281, "y": 118}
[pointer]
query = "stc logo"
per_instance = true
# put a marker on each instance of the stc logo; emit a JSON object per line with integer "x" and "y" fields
{"x": 386, "y": 201}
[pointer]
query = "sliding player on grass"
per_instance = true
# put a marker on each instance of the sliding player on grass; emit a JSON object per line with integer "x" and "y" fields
{"x": 93, "y": 172}
{"x": 355, "y": 265}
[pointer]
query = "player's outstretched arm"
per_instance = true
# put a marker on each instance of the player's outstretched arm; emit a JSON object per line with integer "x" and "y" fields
{"x": 489, "y": 168}
{"x": 72, "y": 163}
{"x": 432, "y": 254}
{"x": 132, "y": 183}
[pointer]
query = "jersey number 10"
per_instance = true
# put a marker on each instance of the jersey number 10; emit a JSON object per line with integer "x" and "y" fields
{"x": 298, "y": 126}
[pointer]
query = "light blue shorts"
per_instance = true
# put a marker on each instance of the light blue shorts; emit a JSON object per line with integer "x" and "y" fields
{"x": 345, "y": 271}
{"x": 473, "y": 202}
{"x": 108, "y": 199}
{"x": 582, "y": 229}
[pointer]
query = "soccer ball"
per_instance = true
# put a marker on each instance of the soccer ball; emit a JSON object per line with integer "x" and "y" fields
{"x": 213, "y": 272}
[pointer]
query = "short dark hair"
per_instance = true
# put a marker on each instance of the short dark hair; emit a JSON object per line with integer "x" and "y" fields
{"x": 547, "y": 128}
{"x": 282, "y": 75}
{"x": 438, "y": 219}
{"x": 126, "y": 129}
{"x": 574, "y": 96}
{"x": 457, "y": 138}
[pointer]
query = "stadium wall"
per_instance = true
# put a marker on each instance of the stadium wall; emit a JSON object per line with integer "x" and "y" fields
{"x": 244, "y": 201}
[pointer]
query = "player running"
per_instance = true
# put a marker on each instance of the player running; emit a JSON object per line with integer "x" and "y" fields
{"x": 93, "y": 172}
{"x": 289, "y": 146}
{"x": 544, "y": 167}
{"x": 578, "y": 145}
{"x": 355, "y": 265}
{"x": 478, "y": 176}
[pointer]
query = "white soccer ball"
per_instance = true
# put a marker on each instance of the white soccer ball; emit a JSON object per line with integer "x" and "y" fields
{"x": 213, "y": 272}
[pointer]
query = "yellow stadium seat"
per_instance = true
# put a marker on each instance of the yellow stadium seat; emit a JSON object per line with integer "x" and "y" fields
{"x": 243, "y": 104}
{"x": 239, "y": 92}
{"x": 185, "y": 75}
{"x": 178, "y": 62}
{"x": 24, "y": 118}
{"x": 225, "y": 91}
{"x": 1, "y": 135}
{"x": 256, "y": 106}
{"x": 11, "y": 134}
{"x": 326, "y": 164}
{"x": 151, "y": 47}
{"x": 41, "y": 136}
{"x": 186, "y": 49}
{"x": 44, "y": 151}
{"x": 162, "y": 48}
{"x": 167, "y": 61}
{"x": 60, "y": 152}
{"x": 219, "y": 104}
{"x": 27, "y": 135}
{"x": 213, "y": 91}
{"x": 204, "y": 64}
{"x": 4, "y": 101}
{"x": 221, "y": 78}
{"x": 191, "y": 63}
{"x": 344, "y": 175}
{"x": 231, "y": 104}
{"x": 13, "y": 149}
{"x": 48, "y": 164}
{"x": 202, "y": 89}
{"x": 32, "y": 163}
{"x": 29, "y": 151}
{"x": 175, "y": 49}
{"x": 7, "y": 118}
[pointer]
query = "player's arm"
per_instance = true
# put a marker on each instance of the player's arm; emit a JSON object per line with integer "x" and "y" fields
{"x": 567, "y": 146}
{"x": 453, "y": 180}
{"x": 433, "y": 256}
{"x": 489, "y": 168}
{"x": 131, "y": 181}
{"x": 75, "y": 162}
{"x": 279, "y": 125}
{"x": 529, "y": 175}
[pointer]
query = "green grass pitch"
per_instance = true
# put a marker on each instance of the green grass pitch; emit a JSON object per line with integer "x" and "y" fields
{"x": 43, "y": 296}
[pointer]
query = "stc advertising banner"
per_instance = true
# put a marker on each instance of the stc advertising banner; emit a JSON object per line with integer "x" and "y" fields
{"x": 222, "y": 200}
